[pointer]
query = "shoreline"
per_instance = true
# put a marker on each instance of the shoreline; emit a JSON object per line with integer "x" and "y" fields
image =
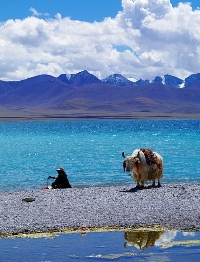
{"x": 172, "y": 207}
{"x": 45, "y": 117}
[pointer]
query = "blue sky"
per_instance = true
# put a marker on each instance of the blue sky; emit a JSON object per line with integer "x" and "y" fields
{"x": 135, "y": 38}
{"x": 84, "y": 10}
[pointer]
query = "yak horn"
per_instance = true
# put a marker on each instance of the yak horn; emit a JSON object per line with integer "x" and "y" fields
{"x": 123, "y": 154}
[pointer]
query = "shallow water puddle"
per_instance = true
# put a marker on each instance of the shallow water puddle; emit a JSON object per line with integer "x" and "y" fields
{"x": 140, "y": 245}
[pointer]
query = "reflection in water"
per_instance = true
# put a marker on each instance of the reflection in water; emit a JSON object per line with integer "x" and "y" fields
{"x": 143, "y": 245}
{"x": 142, "y": 239}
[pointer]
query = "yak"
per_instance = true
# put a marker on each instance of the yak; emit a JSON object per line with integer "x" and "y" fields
{"x": 145, "y": 165}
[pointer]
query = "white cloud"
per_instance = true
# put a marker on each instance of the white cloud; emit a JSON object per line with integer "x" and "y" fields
{"x": 168, "y": 38}
{"x": 36, "y": 13}
{"x": 159, "y": 39}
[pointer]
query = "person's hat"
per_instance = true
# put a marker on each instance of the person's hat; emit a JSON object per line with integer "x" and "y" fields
{"x": 60, "y": 169}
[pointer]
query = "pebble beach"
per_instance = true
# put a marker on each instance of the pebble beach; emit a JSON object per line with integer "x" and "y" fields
{"x": 172, "y": 206}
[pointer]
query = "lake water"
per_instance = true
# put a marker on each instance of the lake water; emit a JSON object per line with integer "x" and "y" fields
{"x": 150, "y": 246}
{"x": 90, "y": 152}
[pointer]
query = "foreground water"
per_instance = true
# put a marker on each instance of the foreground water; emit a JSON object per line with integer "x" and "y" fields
{"x": 90, "y": 151}
{"x": 151, "y": 246}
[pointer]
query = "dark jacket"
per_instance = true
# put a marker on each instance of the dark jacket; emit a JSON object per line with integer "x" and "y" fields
{"x": 61, "y": 181}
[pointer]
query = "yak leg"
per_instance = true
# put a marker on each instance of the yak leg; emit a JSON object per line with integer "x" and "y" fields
{"x": 138, "y": 184}
{"x": 136, "y": 178}
{"x": 141, "y": 183}
{"x": 154, "y": 183}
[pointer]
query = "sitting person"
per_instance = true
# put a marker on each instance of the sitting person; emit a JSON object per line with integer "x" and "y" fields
{"x": 61, "y": 181}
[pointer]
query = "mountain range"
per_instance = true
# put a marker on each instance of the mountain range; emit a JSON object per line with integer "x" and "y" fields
{"x": 83, "y": 95}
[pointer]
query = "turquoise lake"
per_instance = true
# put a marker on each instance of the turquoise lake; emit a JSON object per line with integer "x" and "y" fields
{"x": 90, "y": 152}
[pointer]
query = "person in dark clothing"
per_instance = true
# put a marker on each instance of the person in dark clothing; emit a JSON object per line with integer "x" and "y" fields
{"x": 61, "y": 181}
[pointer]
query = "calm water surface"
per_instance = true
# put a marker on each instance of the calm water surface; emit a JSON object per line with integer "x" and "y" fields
{"x": 162, "y": 246}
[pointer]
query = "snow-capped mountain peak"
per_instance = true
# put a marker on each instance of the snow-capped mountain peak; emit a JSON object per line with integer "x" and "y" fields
{"x": 117, "y": 79}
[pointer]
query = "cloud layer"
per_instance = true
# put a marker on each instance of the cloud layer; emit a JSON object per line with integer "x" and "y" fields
{"x": 147, "y": 38}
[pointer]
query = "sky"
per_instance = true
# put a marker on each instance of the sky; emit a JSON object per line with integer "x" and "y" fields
{"x": 135, "y": 38}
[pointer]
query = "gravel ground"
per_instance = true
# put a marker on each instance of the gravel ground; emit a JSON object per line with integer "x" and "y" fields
{"x": 172, "y": 206}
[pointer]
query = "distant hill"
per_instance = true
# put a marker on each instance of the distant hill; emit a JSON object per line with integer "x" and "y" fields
{"x": 79, "y": 79}
{"x": 83, "y": 95}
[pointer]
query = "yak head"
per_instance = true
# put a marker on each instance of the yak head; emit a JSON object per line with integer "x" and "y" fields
{"x": 130, "y": 163}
